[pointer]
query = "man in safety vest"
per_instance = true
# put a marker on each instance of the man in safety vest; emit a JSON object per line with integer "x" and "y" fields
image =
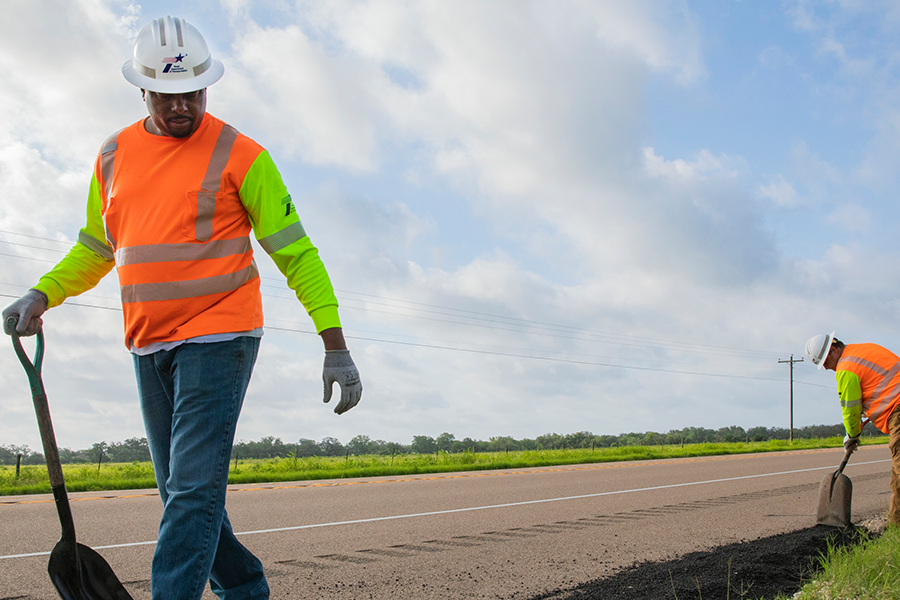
{"x": 171, "y": 204}
{"x": 868, "y": 383}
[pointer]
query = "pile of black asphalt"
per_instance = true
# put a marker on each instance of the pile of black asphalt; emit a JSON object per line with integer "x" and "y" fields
{"x": 756, "y": 569}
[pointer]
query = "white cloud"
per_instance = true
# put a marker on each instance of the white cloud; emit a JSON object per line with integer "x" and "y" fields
{"x": 511, "y": 138}
{"x": 781, "y": 192}
{"x": 851, "y": 217}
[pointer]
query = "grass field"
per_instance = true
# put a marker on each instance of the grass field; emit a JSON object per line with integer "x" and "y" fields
{"x": 116, "y": 476}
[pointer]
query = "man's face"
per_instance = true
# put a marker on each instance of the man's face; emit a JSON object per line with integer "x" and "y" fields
{"x": 831, "y": 361}
{"x": 175, "y": 115}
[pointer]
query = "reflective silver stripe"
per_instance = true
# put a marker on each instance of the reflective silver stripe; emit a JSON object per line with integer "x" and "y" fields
{"x": 108, "y": 161}
{"x": 178, "y": 32}
{"x": 95, "y": 245}
{"x": 852, "y": 403}
{"x": 156, "y": 253}
{"x": 161, "y": 23}
{"x": 144, "y": 70}
{"x": 206, "y": 209}
{"x": 861, "y": 361}
{"x": 885, "y": 381}
{"x": 203, "y": 67}
{"x": 193, "y": 288}
{"x": 109, "y": 237}
{"x": 883, "y": 403}
{"x": 219, "y": 159}
{"x": 283, "y": 239}
{"x": 883, "y": 406}
{"x": 212, "y": 182}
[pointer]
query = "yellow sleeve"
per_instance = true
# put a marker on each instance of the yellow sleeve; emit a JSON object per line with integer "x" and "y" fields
{"x": 850, "y": 391}
{"x": 280, "y": 233}
{"x": 89, "y": 260}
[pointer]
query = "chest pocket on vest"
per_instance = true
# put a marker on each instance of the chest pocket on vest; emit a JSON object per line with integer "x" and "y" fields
{"x": 201, "y": 205}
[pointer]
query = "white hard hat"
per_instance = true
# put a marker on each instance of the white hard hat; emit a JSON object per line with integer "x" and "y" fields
{"x": 817, "y": 348}
{"x": 171, "y": 57}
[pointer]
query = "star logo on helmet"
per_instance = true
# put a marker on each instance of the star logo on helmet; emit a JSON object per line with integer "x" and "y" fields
{"x": 180, "y": 57}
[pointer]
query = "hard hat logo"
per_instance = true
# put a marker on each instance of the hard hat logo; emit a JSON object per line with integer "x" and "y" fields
{"x": 171, "y": 57}
{"x": 172, "y": 65}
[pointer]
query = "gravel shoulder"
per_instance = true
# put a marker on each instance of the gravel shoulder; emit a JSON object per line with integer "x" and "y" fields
{"x": 753, "y": 569}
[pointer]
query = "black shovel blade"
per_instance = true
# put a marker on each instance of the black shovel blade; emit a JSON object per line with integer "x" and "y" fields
{"x": 79, "y": 573}
{"x": 834, "y": 500}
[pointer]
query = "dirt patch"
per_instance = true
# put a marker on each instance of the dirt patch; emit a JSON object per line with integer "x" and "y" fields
{"x": 757, "y": 569}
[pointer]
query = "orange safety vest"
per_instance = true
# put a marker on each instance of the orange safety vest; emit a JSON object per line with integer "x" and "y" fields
{"x": 878, "y": 370}
{"x": 173, "y": 216}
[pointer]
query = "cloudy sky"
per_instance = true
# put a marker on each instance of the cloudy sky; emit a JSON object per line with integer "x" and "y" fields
{"x": 540, "y": 216}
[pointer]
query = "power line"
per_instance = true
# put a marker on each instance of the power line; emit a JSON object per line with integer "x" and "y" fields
{"x": 533, "y": 327}
{"x": 477, "y": 351}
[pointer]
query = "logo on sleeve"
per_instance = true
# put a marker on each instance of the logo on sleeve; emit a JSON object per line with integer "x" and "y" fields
{"x": 289, "y": 206}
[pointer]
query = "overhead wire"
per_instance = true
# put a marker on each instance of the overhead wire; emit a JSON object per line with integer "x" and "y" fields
{"x": 535, "y": 327}
{"x": 483, "y": 320}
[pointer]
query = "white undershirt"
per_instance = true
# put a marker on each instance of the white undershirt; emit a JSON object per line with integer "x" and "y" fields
{"x": 200, "y": 339}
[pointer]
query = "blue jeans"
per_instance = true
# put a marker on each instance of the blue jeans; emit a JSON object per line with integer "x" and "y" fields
{"x": 191, "y": 398}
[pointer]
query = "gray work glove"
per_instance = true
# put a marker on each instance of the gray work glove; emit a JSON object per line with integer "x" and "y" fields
{"x": 339, "y": 367}
{"x": 27, "y": 310}
{"x": 851, "y": 443}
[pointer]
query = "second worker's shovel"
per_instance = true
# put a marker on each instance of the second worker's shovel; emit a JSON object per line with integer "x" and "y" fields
{"x": 834, "y": 497}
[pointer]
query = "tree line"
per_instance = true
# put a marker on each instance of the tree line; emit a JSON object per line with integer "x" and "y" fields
{"x": 135, "y": 449}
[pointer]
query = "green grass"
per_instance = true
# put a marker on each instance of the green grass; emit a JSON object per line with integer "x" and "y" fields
{"x": 33, "y": 479}
{"x": 115, "y": 476}
{"x": 864, "y": 572}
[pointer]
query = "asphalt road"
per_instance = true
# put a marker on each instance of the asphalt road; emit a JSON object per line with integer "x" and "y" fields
{"x": 508, "y": 534}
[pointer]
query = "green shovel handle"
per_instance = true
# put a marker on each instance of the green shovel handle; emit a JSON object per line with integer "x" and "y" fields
{"x": 32, "y": 368}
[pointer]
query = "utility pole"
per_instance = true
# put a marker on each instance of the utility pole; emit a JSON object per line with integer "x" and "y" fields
{"x": 791, "y": 362}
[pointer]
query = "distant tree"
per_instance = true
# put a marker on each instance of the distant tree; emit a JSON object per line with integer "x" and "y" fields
{"x": 698, "y": 435}
{"x": 731, "y": 434}
{"x": 379, "y": 447}
{"x": 423, "y": 444}
{"x": 445, "y": 441}
{"x": 651, "y": 438}
{"x": 581, "y": 439}
{"x": 395, "y": 448}
{"x": 502, "y": 444}
{"x": 607, "y": 441}
{"x": 779, "y": 433}
{"x": 527, "y": 444}
{"x": 306, "y": 447}
{"x": 549, "y": 441}
{"x": 330, "y": 446}
{"x": 132, "y": 449}
{"x": 466, "y": 444}
{"x": 758, "y": 434}
{"x": 361, "y": 444}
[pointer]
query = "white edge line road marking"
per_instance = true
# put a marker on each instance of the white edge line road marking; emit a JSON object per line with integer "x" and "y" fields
{"x": 471, "y": 508}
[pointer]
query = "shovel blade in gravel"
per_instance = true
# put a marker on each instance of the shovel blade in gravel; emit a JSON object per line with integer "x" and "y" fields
{"x": 834, "y": 500}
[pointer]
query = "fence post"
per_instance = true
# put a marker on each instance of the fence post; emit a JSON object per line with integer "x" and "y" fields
{"x": 18, "y": 464}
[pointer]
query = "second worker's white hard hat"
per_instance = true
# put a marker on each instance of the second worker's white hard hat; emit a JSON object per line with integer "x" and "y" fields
{"x": 171, "y": 57}
{"x": 817, "y": 348}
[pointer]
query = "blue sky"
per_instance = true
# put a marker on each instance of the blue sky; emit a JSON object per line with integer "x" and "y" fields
{"x": 539, "y": 216}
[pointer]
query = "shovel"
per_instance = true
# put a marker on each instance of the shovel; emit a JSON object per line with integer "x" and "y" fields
{"x": 77, "y": 572}
{"x": 834, "y": 497}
